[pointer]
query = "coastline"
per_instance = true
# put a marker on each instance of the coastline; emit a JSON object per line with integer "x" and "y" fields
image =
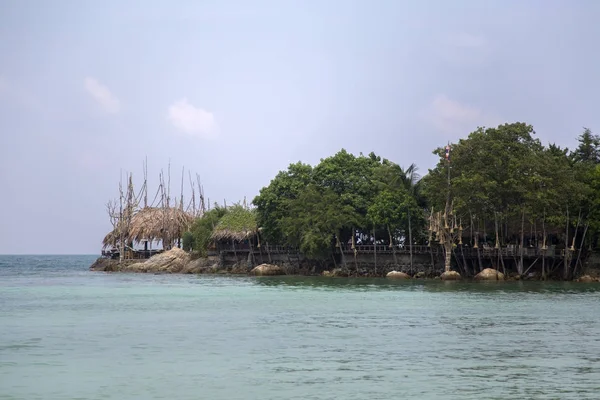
{"x": 177, "y": 261}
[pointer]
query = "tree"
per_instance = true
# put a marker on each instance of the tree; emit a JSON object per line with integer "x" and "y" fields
{"x": 202, "y": 229}
{"x": 272, "y": 201}
{"x": 351, "y": 178}
{"x": 315, "y": 219}
{"x": 588, "y": 150}
{"x": 391, "y": 209}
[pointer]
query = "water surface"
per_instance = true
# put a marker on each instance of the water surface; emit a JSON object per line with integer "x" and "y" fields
{"x": 67, "y": 333}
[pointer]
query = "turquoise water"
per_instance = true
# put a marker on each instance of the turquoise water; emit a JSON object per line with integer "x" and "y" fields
{"x": 67, "y": 333}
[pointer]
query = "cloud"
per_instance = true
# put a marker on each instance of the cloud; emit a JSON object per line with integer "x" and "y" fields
{"x": 452, "y": 117}
{"x": 102, "y": 95}
{"x": 192, "y": 120}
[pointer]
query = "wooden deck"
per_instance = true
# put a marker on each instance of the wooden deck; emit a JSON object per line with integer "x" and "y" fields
{"x": 130, "y": 255}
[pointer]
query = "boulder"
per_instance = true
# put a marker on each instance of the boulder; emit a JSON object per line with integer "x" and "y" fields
{"x": 489, "y": 274}
{"x": 420, "y": 275}
{"x": 200, "y": 266}
{"x": 172, "y": 261}
{"x": 586, "y": 279}
{"x": 105, "y": 264}
{"x": 240, "y": 268}
{"x": 450, "y": 276}
{"x": 397, "y": 275}
{"x": 109, "y": 265}
{"x": 267, "y": 269}
{"x": 337, "y": 272}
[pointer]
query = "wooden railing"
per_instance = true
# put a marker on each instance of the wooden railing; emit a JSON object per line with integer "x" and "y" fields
{"x": 484, "y": 251}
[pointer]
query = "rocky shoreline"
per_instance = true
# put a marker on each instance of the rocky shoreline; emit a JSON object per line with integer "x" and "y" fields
{"x": 177, "y": 261}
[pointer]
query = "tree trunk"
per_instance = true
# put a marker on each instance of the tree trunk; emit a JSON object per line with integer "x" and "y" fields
{"x": 448, "y": 248}
{"x": 466, "y": 265}
{"x": 520, "y": 266}
{"x": 544, "y": 265}
{"x": 235, "y": 252}
{"x": 566, "y": 259}
{"x": 342, "y": 253}
{"x": 410, "y": 244}
{"x": 268, "y": 252}
{"x": 479, "y": 260}
{"x": 581, "y": 247}
{"x": 392, "y": 246}
{"x": 432, "y": 261}
{"x": 375, "y": 250}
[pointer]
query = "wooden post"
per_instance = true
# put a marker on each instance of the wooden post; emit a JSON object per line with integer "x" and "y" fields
{"x": 566, "y": 255}
{"x": 410, "y": 244}
{"x": 375, "y": 250}
{"x": 392, "y": 246}
{"x": 520, "y": 267}
{"x": 269, "y": 253}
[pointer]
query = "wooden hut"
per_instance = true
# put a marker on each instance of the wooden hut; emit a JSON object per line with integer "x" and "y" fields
{"x": 148, "y": 225}
{"x": 236, "y": 230}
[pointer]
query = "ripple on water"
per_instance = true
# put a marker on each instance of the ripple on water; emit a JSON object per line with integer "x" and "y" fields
{"x": 69, "y": 333}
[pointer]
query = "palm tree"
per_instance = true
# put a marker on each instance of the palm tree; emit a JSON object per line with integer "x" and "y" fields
{"x": 409, "y": 179}
{"x": 411, "y": 183}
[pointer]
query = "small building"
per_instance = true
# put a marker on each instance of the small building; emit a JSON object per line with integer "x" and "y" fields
{"x": 148, "y": 225}
{"x": 237, "y": 230}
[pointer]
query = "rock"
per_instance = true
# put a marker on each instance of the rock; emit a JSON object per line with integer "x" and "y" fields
{"x": 338, "y": 272}
{"x": 327, "y": 273}
{"x": 105, "y": 264}
{"x": 420, "y": 275}
{"x": 586, "y": 279}
{"x": 397, "y": 275}
{"x": 200, "y": 266}
{"x": 172, "y": 261}
{"x": 109, "y": 265}
{"x": 489, "y": 274}
{"x": 450, "y": 276}
{"x": 240, "y": 268}
{"x": 267, "y": 269}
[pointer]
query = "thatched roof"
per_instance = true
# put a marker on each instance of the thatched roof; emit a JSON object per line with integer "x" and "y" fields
{"x": 111, "y": 239}
{"x": 152, "y": 223}
{"x": 237, "y": 224}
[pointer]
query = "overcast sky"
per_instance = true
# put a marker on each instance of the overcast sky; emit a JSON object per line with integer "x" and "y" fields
{"x": 237, "y": 90}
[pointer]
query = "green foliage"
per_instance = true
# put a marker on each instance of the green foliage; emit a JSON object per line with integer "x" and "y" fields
{"x": 272, "y": 200}
{"x": 236, "y": 224}
{"x": 315, "y": 218}
{"x": 188, "y": 241}
{"x": 311, "y": 207}
{"x": 202, "y": 229}
{"x": 499, "y": 174}
{"x": 588, "y": 150}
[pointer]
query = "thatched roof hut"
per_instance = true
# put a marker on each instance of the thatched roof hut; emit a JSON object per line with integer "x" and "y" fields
{"x": 237, "y": 224}
{"x": 152, "y": 223}
{"x": 156, "y": 223}
{"x": 111, "y": 239}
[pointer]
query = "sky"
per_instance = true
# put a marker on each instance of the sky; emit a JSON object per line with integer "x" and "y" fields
{"x": 235, "y": 91}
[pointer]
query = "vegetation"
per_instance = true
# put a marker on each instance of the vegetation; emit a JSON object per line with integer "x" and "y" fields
{"x": 202, "y": 229}
{"x": 510, "y": 189}
{"x": 502, "y": 186}
{"x": 238, "y": 223}
{"x": 342, "y": 201}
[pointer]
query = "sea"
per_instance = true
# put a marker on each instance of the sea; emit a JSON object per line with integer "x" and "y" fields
{"x": 68, "y": 333}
